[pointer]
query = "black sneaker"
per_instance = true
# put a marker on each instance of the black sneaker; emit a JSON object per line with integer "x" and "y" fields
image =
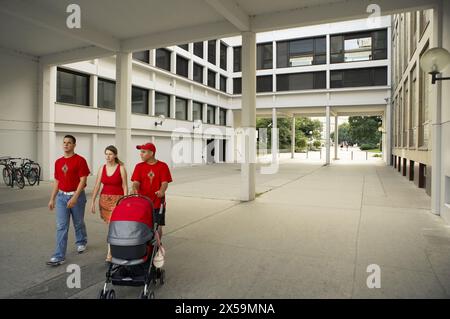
{"x": 55, "y": 262}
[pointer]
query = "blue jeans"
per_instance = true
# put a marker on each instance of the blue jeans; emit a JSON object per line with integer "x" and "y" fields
{"x": 63, "y": 221}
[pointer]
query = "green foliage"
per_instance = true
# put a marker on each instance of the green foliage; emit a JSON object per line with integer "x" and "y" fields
{"x": 317, "y": 144}
{"x": 365, "y": 147}
{"x": 303, "y": 127}
{"x": 364, "y": 129}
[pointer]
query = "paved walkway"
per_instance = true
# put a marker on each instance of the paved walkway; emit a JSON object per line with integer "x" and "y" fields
{"x": 311, "y": 233}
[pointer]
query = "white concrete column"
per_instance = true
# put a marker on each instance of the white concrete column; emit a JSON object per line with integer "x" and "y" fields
{"x": 189, "y": 110}
{"x": 151, "y": 102}
{"x": 293, "y": 137}
{"x": 336, "y": 137}
{"x": 274, "y": 135}
{"x": 173, "y": 106}
{"x": 436, "y": 120}
{"x": 93, "y": 89}
{"x": 248, "y": 166}
{"x": 173, "y": 62}
{"x": 123, "y": 108}
{"x": 95, "y": 153}
{"x": 387, "y": 134}
{"x": 327, "y": 135}
{"x": 152, "y": 57}
{"x": 46, "y": 135}
{"x": 230, "y": 118}
{"x": 217, "y": 115}
{"x": 205, "y": 113}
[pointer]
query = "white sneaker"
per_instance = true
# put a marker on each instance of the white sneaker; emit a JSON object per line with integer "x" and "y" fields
{"x": 81, "y": 248}
{"x": 55, "y": 262}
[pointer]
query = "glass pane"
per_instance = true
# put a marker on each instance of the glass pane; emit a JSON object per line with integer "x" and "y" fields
{"x": 237, "y": 59}
{"x": 143, "y": 56}
{"x": 163, "y": 59}
{"x": 198, "y": 49}
{"x": 358, "y": 49}
{"x": 162, "y": 105}
{"x": 211, "y": 79}
{"x": 212, "y": 51}
{"x": 139, "y": 101}
{"x": 237, "y": 86}
{"x": 106, "y": 96}
{"x": 182, "y": 66}
{"x": 264, "y": 83}
{"x": 211, "y": 114}
{"x": 72, "y": 88}
{"x": 197, "y": 111}
{"x": 181, "y": 109}
{"x": 282, "y": 55}
{"x": 198, "y": 73}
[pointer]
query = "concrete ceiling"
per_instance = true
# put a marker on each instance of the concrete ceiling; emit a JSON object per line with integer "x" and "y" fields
{"x": 38, "y": 27}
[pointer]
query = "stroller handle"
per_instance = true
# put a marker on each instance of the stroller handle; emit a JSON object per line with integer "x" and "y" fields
{"x": 135, "y": 195}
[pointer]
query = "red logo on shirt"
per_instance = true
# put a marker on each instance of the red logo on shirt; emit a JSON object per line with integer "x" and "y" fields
{"x": 65, "y": 169}
{"x": 151, "y": 175}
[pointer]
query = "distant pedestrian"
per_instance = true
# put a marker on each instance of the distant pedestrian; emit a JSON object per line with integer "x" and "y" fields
{"x": 112, "y": 179}
{"x": 69, "y": 198}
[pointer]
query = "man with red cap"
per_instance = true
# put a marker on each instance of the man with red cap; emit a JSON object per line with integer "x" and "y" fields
{"x": 151, "y": 178}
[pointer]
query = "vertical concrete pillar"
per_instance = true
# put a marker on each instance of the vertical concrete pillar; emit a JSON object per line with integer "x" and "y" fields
{"x": 248, "y": 166}
{"x": 327, "y": 135}
{"x": 151, "y": 102}
{"x": 336, "y": 137}
{"x": 189, "y": 115}
{"x": 93, "y": 88}
{"x": 46, "y": 135}
{"x": 274, "y": 135}
{"x": 123, "y": 107}
{"x": 293, "y": 137}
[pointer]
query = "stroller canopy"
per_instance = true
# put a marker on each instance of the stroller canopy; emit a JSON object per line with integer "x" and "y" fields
{"x": 131, "y": 221}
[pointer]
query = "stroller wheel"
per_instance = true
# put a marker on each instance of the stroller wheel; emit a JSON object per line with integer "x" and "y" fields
{"x": 111, "y": 294}
{"x": 162, "y": 276}
{"x": 102, "y": 295}
{"x": 151, "y": 295}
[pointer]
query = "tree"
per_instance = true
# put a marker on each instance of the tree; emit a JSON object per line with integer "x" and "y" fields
{"x": 364, "y": 129}
{"x": 303, "y": 127}
{"x": 344, "y": 134}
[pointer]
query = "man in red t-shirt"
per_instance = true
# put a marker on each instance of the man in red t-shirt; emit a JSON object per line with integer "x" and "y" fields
{"x": 151, "y": 178}
{"x": 71, "y": 173}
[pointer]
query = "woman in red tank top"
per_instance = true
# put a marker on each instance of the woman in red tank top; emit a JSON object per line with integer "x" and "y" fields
{"x": 113, "y": 177}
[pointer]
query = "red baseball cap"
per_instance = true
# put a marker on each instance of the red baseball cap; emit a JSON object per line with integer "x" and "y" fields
{"x": 147, "y": 146}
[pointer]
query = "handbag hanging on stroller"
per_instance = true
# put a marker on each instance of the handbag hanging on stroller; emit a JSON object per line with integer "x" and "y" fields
{"x": 137, "y": 254}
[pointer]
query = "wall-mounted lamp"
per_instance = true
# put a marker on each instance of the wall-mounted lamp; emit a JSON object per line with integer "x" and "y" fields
{"x": 161, "y": 120}
{"x": 434, "y": 61}
{"x": 197, "y": 124}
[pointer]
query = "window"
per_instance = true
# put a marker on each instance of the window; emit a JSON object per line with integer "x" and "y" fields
{"x": 223, "y": 83}
{"x": 212, "y": 51}
{"x": 405, "y": 114}
{"x": 162, "y": 104}
{"x": 211, "y": 114}
{"x": 361, "y": 46}
{"x": 413, "y": 109}
{"x": 223, "y": 56}
{"x": 237, "y": 59}
{"x": 72, "y": 87}
{"x": 163, "y": 59}
{"x": 181, "y": 109}
{"x": 182, "y": 66}
{"x": 212, "y": 79}
{"x": 424, "y": 95}
{"x": 413, "y": 29}
{"x": 198, "y": 73}
{"x": 358, "y": 77}
{"x": 301, "y": 52}
{"x": 198, "y": 49}
{"x": 264, "y": 83}
{"x": 237, "y": 85}
{"x": 264, "y": 56}
{"x": 184, "y": 46}
{"x": 222, "y": 116}
{"x": 106, "y": 95}
{"x": 425, "y": 17}
{"x": 143, "y": 56}
{"x": 197, "y": 111}
{"x": 301, "y": 81}
{"x": 139, "y": 100}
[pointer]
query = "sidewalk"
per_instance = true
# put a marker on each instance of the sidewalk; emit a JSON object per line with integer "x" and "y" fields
{"x": 311, "y": 233}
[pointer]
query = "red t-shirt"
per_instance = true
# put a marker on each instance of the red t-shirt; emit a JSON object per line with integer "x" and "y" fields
{"x": 150, "y": 177}
{"x": 68, "y": 172}
{"x": 112, "y": 185}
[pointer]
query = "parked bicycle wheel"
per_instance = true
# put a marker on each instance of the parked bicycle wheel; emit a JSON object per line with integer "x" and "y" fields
{"x": 19, "y": 178}
{"x": 7, "y": 176}
{"x": 32, "y": 176}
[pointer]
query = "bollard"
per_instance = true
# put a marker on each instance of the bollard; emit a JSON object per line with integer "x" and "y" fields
{"x": 320, "y": 153}
{"x": 307, "y": 153}
{"x": 352, "y": 155}
{"x": 366, "y": 156}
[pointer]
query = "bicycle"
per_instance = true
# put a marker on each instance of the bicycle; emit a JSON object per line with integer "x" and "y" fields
{"x": 12, "y": 174}
{"x": 32, "y": 171}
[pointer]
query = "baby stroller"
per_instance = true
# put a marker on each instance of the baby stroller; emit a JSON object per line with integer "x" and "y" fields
{"x": 134, "y": 242}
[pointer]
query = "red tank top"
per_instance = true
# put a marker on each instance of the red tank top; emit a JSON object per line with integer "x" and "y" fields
{"x": 112, "y": 185}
